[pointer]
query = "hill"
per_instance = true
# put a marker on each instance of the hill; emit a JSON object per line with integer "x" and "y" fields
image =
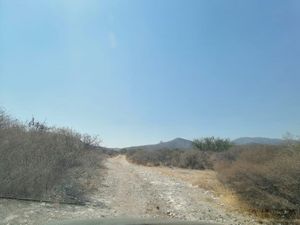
{"x": 257, "y": 140}
{"x": 177, "y": 143}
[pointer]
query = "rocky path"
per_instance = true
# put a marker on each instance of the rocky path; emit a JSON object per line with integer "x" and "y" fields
{"x": 132, "y": 191}
{"x": 145, "y": 192}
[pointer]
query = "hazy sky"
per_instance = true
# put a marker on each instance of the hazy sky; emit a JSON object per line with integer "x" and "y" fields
{"x": 138, "y": 72}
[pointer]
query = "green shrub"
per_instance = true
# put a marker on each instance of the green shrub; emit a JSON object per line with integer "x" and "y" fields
{"x": 212, "y": 144}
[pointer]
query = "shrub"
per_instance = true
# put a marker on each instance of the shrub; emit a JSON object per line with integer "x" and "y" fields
{"x": 191, "y": 159}
{"x": 212, "y": 144}
{"x": 35, "y": 160}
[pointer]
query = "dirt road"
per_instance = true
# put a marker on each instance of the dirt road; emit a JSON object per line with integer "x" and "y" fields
{"x": 130, "y": 190}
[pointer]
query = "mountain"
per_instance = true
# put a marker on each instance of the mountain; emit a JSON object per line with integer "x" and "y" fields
{"x": 257, "y": 140}
{"x": 177, "y": 143}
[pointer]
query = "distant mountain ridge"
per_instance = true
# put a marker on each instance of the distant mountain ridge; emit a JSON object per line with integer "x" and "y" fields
{"x": 184, "y": 144}
{"x": 257, "y": 140}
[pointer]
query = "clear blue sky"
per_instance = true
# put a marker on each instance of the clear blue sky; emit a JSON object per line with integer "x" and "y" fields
{"x": 138, "y": 72}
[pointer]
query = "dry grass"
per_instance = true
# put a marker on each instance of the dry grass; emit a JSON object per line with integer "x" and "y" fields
{"x": 205, "y": 179}
{"x": 266, "y": 179}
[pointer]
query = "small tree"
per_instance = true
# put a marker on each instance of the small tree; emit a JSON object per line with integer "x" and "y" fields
{"x": 212, "y": 144}
{"x": 91, "y": 141}
{"x": 36, "y": 125}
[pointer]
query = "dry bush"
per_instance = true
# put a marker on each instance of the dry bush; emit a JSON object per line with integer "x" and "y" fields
{"x": 35, "y": 161}
{"x": 267, "y": 178}
{"x": 191, "y": 159}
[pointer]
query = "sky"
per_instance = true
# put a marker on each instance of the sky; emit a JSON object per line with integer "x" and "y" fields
{"x": 138, "y": 72}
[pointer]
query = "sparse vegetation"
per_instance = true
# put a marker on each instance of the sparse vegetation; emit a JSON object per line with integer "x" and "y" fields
{"x": 39, "y": 162}
{"x": 212, "y": 144}
{"x": 191, "y": 159}
{"x": 201, "y": 157}
{"x": 267, "y": 178}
